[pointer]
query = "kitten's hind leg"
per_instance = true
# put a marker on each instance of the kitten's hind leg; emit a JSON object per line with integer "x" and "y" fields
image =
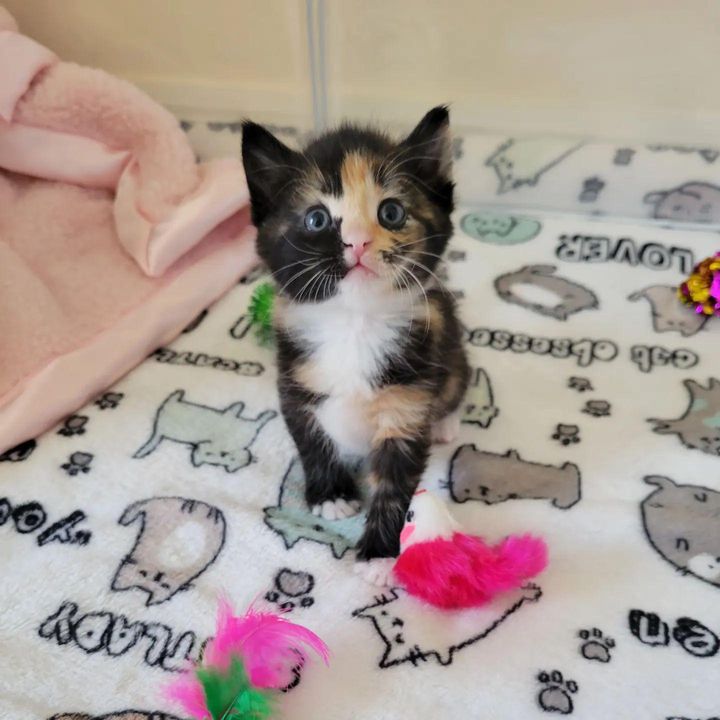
{"x": 447, "y": 429}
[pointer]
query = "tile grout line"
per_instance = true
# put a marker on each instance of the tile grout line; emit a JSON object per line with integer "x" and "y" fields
{"x": 315, "y": 15}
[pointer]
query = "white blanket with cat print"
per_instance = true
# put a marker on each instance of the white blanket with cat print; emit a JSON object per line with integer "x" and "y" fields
{"x": 593, "y": 421}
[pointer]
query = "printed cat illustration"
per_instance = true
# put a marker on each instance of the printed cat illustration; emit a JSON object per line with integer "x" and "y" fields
{"x": 217, "y": 437}
{"x": 709, "y": 155}
{"x": 492, "y": 478}
{"x": 293, "y": 521}
{"x": 479, "y": 406}
{"x": 522, "y": 161}
{"x": 571, "y": 297}
{"x": 699, "y": 427}
{"x": 500, "y": 229}
{"x": 411, "y": 634}
{"x": 178, "y": 540}
{"x": 692, "y": 202}
{"x": 668, "y": 313}
{"x": 682, "y": 523}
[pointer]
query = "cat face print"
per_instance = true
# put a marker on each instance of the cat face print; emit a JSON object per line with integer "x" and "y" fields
{"x": 353, "y": 209}
{"x": 681, "y": 522}
{"x": 223, "y": 455}
{"x": 692, "y": 202}
{"x": 177, "y": 541}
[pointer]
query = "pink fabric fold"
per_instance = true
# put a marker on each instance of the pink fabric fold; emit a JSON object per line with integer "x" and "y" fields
{"x": 112, "y": 237}
{"x": 26, "y": 58}
{"x": 60, "y": 156}
{"x": 156, "y": 246}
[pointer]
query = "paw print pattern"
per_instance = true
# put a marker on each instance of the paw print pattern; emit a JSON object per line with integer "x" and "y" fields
{"x": 556, "y": 692}
{"x": 74, "y": 425}
{"x": 595, "y": 645}
{"x": 109, "y": 400}
{"x": 597, "y": 408}
{"x": 592, "y": 187}
{"x": 623, "y": 156}
{"x": 78, "y": 462}
{"x": 292, "y": 589}
{"x": 567, "y": 434}
{"x": 581, "y": 384}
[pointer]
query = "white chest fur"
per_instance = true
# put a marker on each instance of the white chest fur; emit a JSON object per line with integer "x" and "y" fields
{"x": 351, "y": 337}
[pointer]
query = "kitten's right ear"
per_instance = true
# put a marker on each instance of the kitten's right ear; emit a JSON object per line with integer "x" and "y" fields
{"x": 269, "y": 166}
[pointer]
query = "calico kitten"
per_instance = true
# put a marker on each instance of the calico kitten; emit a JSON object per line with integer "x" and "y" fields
{"x": 370, "y": 355}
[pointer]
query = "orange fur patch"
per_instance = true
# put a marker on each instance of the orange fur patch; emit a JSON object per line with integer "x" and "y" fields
{"x": 309, "y": 376}
{"x": 372, "y": 480}
{"x": 436, "y": 320}
{"x": 360, "y": 190}
{"x": 449, "y": 393}
{"x": 361, "y": 197}
{"x": 399, "y": 412}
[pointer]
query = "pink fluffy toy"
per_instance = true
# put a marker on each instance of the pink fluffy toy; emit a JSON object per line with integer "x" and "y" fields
{"x": 251, "y": 658}
{"x": 450, "y": 569}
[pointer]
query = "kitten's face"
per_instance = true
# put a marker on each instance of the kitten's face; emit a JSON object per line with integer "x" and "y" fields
{"x": 354, "y": 210}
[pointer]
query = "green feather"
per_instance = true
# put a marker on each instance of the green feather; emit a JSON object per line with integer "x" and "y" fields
{"x": 229, "y": 695}
{"x": 261, "y": 311}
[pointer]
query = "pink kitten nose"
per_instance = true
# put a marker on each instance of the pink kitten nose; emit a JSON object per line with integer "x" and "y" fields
{"x": 357, "y": 244}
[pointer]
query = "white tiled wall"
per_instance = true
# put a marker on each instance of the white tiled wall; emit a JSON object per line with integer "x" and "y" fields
{"x": 218, "y": 58}
{"x": 627, "y": 85}
{"x": 619, "y": 68}
{"x": 616, "y": 68}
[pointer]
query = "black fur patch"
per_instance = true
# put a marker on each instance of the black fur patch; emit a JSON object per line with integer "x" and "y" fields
{"x": 308, "y": 264}
{"x": 284, "y": 184}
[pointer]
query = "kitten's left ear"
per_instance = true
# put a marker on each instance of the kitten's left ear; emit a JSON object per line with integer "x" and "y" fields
{"x": 269, "y": 167}
{"x": 426, "y": 153}
{"x": 429, "y": 144}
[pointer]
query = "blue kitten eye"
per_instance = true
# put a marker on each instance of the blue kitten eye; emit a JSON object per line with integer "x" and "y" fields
{"x": 317, "y": 219}
{"x": 391, "y": 214}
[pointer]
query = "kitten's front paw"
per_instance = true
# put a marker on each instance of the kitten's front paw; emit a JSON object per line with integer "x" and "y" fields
{"x": 446, "y": 430}
{"x": 378, "y": 572}
{"x": 338, "y": 509}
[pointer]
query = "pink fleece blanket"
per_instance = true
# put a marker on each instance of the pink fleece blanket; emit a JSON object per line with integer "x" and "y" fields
{"x": 112, "y": 237}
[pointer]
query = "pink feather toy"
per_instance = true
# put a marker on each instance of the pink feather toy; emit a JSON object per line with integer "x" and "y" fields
{"x": 450, "y": 569}
{"x": 251, "y": 657}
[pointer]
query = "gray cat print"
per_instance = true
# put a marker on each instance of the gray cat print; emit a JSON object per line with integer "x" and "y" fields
{"x": 217, "y": 437}
{"x": 697, "y": 202}
{"x": 492, "y": 478}
{"x": 682, "y": 522}
{"x": 668, "y": 313}
{"x": 699, "y": 427}
{"x": 178, "y": 540}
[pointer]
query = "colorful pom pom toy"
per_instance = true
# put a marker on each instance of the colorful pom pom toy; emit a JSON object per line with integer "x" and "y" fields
{"x": 702, "y": 289}
{"x": 450, "y": 569}
{"x": 261, "y": 312}
{"x": 251, "y": 658}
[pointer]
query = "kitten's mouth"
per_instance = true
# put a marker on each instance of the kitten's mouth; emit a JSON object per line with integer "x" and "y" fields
{"x": 361, "y": 270}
